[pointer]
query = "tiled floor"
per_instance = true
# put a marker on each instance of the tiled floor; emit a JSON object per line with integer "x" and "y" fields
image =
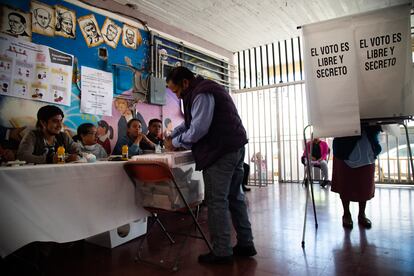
{"x": 277, "y": 214}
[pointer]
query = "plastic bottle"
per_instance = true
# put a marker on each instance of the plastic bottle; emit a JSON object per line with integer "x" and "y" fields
{"x": 158, "y": 148}
{"x": 125, "y": 152}
{"x": 61, "y": 155}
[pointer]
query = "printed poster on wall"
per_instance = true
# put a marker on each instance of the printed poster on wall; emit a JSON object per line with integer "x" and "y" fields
{"x": 358, "y": 67}
{"x": 36, "y": 72}
{"x": 97, "y": 91}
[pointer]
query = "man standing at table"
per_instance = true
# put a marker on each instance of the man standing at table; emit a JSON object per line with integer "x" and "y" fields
{"x": 214, "y": 132}
{"x": 40, "y": 146}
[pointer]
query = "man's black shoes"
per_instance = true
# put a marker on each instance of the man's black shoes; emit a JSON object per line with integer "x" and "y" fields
{"x": 325, "y": 183}
{"x": 244, "y": 251}
{"x": 240, "y": 251}
{"x": 210, "y": 258}
{"x": 245, "y": 189}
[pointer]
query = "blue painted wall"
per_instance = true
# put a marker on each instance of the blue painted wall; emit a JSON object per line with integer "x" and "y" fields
{"x": 18, "y": 112}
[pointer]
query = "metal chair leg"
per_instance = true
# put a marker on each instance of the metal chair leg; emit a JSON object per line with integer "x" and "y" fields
{"x": 157, "y": 220}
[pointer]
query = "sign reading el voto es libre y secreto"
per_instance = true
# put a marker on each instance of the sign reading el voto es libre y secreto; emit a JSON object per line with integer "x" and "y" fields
{"x": 358, "y": 67}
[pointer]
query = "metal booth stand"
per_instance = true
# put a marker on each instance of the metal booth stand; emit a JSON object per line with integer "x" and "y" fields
{"x": 308, "y": 172}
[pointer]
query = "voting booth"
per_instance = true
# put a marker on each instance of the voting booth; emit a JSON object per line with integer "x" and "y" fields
{"x": 358, "y": 67}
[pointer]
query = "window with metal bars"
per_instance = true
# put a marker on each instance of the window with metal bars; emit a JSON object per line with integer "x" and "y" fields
{"x": 169, "y": 54}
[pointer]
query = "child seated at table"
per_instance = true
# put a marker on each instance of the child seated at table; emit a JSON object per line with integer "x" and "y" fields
{"x": 154, "y": 134}
{"x": 133, "y": 139}
{"x": 88, "y": 141}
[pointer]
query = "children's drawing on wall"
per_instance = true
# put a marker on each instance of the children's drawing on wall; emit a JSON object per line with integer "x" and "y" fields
{"x": 131, "y": 38}
{"x": 105, "y": 133}
{"x": 111, "y": 33}
{"x": 260, "y": 166}
{"x": 65, "y": 22}
{"x": 16, "y": 23}
{"x": 43, "y": 18}
{"x": 90, "y": 30}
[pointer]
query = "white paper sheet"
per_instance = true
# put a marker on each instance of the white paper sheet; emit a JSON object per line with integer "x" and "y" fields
{"x": 97, "y": 91}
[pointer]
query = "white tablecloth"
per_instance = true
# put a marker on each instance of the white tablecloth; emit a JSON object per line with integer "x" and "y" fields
{"x": 63, "y": 203}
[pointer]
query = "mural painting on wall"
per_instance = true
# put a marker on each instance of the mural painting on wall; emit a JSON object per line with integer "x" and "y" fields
{"x": 127, "y": 111}
{"x": 90, "y": 30}
{"x": 16, "y": 23}
{"x": 131, "y": 38}
{"x": 15, "y": 112}
{"x": 65, "y": 22}
{"x": 111, "y": 33}
{"x": 43, "y": 18}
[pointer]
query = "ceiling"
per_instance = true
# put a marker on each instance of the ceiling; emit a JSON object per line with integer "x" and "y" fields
{"x": 241, "y": 24}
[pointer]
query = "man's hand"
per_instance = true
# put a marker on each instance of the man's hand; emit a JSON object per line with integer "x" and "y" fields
{"x": 168, "y": 144}
{"x": 15, "y": 133}
{"x": 72, "y": 158}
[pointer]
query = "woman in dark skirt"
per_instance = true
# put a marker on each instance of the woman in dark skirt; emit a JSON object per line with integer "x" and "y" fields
{"x": 353, "y": 171}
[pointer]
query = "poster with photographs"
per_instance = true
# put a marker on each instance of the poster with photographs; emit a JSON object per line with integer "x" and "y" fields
{"x": 90, "y": 30}
{"x": 65, "y": 22}
{"x": 111, "y": 33}
{"x": 36, "y": 72}
{"x": 43, "y": 18}
{"x": 131, "y": 38}
{"x": 16, "y": 23}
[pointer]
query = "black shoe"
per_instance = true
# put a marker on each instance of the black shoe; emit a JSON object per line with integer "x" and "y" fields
{"x": 364, "y": 222}
{"x": 210, "y": 258}
{"x": 245, "y": 189}
{"x": 347, "y": 222}
{"x": 244, "y": 251}
{"x": 325, "y": 183}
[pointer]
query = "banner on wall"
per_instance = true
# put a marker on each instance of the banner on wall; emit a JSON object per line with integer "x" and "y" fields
{"x": 97, "y": 91}
{"x": 36, "y": 72}
{"x": 358, "y": 67}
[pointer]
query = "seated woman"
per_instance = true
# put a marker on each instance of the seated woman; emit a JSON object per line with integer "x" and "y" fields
{"x": 319, "y": 154}
{"x": 133, "y": 139}
{"x": 40, "y": 146}
{"x": 88, "y": 141}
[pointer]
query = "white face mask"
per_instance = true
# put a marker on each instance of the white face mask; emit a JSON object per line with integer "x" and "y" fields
{"x": 90, "y": 147}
